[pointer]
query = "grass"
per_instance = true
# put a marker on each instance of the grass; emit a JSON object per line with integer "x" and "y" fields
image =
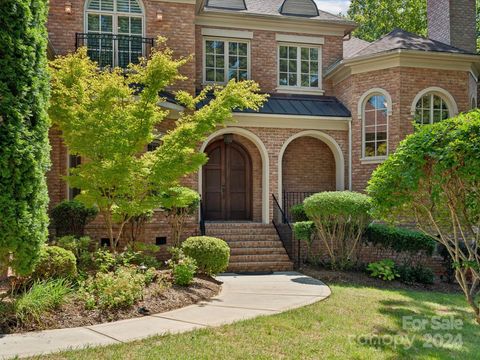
{"x": 337, "y": 328}
{"x": 41, "y": 297}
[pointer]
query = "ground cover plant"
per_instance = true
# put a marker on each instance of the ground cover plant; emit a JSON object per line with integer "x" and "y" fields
{"x": 434, "y": 176}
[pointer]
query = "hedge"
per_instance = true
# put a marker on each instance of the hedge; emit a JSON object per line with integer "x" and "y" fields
{"x": 399, "y": 239}
{"x": 211, "y": 254}
{"x": 24, "y": 150}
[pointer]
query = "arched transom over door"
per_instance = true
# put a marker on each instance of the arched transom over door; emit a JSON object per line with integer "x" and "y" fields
{"x": 227, "y": 182}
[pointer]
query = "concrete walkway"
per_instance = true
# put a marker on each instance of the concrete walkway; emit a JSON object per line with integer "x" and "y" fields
{"x": 242, "y": 297}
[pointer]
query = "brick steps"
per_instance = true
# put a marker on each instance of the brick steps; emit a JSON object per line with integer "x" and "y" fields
{"x": 254, "y": 247}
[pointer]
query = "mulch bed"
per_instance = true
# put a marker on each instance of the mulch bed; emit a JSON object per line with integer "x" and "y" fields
{"x": 158, "y": 297}
{"x": 362, "y": 279}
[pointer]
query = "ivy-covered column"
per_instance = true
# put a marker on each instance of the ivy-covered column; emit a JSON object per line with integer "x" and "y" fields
{"x": 24, "y": 148}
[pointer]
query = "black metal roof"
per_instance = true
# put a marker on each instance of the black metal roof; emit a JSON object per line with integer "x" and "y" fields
{"x": 298, "y": 105}
{"x": 303, "y": 105}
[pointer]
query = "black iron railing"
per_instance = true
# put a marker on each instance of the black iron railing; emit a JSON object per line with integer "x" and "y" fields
{"x": 285, "y": 232}
{"x": 290, "y": 199}
{"x": 203, "y": 230}
{"x": 114, "y": 50}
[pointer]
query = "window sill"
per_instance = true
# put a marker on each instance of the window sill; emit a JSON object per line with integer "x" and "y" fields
{"x": 377, "y": 160}
{"x": 299, "y": 90}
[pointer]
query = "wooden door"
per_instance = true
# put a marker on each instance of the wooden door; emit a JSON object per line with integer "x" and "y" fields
{"x": 227, "y": 183}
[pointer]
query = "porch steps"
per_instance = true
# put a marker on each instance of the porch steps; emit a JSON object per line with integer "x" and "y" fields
{"x": 254, "y": 247}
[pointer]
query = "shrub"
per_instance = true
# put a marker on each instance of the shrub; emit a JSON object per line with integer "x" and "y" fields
{"x": 183, "y": 267}
{"x": 383, "y": 269}
{"x": 399, "y": 239}
{"x": 211, "y": 254}
{"x": 298, "y": 213}
{"x": 104, "y": 260}
{"x": 433, "y": 177}
{"x": 416, "y": 274}
{"x": 55, "y": 262}
{"x": 71, "y": 216}
{"x": 80, "y": 248}
{"x": 24, "y": 125}
{"x": 43, "y": 296}
{"x": 340, "y": 219}
{"x": 113, "y": 290}
{"x": 305, "y": 231}
{"x": 131, "y": 257}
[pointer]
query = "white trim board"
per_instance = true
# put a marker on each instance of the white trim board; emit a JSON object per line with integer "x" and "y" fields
{"x": 237, "y": 34}
{"x": 300, "y": 39}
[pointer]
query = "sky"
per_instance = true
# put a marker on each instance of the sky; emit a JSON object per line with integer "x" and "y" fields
{"x": 333, "y": 6}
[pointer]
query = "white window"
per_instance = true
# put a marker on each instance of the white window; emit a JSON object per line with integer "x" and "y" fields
{"x": 225, "y": 60}
{"x": 114, "y": 32}
{"x": 299, "y": 66}
{"x": 431, "y": 108}
{"x": 375, "y": 126}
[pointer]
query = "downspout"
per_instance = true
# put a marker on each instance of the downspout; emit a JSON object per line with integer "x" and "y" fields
{"x": 350, "y": 155}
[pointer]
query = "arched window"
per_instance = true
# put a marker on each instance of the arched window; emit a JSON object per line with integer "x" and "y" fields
{"x": 431, "y": 108}
{"x": 114, "y": 31}
{"x": 375, "y": 108}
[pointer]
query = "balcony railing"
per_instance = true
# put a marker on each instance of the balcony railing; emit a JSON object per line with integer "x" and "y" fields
{"x": 114, "y": 50}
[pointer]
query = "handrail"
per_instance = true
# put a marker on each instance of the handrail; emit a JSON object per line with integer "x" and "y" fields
{"x": 114, "y": 49}
{"x": 285, "y": 233}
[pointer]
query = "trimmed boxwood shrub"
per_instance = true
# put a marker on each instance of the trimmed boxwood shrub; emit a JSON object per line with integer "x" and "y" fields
{"x": 24, "y": 149}
{"x": 211, "y": 254}
{"x": 340, "y": 218}
{"x": 298, "y": 214}
{"x": 399, "y": 239}
{"x": 55, "y": 262}
{"x": 70, "y": 218}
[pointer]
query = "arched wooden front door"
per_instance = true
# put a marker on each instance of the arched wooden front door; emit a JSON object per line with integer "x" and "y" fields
{"x": 227, "y": 182}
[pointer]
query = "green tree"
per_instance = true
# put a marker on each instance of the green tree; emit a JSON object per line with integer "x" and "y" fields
{"x": 109, "y": 116}
{"x": 434, "y": 176}
{"x": 24, "y": 149}
{"x": 378, "y": 17}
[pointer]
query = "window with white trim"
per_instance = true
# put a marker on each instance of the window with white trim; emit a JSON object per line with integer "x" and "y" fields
{"x": 225, "y": 60}
{"x": 431, "y": 108}
{"x": 115, "y": 31}
{"x": 375, "y": 127}
{"x": 299, "y": 66}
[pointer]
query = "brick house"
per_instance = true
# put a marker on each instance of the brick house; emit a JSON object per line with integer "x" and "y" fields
{"x": 338, "y": 106}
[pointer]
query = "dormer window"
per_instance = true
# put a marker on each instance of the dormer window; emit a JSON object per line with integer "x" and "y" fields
{"x": 225, "y": 59}
{"x": 227, "y": 4}
{"x": 306, "y": 8}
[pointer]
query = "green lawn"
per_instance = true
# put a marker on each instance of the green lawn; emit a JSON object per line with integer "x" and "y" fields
{"x": 323, "y": 330}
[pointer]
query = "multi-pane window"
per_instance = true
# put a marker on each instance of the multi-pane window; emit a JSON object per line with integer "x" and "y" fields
{"x": 375, "y": 127}
{"x": 226, "y": 60}
{"x": 299, "y": 66}
{"x": 430, "y": 109}
{"x": 115, "y": 30}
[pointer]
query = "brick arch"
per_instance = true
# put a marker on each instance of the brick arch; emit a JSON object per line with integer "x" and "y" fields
{"x": 263, "y": 158}
{"x": 330, "y": 143}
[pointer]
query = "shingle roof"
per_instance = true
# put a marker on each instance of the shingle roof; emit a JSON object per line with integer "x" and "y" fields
{"x": 272, "y": 8}
{"x": 299, "y": 105}
{"x": 353, "y": 46}
{"x": 403, "y": 40}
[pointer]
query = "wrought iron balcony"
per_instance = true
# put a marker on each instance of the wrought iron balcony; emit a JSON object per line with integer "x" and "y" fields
{"x": 114, "y": 50}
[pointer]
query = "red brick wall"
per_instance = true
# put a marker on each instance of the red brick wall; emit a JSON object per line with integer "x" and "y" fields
{"x": 403, "y": 84}
{"x": 308, "y": 166}
{"x": 264, "y": 57}
{"x": 180, "y": 34}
